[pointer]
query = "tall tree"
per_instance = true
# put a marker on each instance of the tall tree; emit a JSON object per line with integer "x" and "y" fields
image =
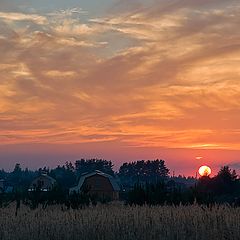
{"x": 15, "y": 176}
{"x": 88, "y": 165}
{"x": 225, "y": 182}
{"x": 64, "y": 175}
{"x": 147, "y": 171}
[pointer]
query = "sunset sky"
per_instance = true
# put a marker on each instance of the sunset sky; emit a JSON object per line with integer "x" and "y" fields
{"x": 121, "y": 80}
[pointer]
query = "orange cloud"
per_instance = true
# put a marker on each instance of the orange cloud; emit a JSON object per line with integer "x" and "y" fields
{"x": 14, "y": 16}
{"x": 164, "y": 75}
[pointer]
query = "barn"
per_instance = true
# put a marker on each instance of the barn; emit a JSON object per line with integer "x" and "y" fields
{"x": 98, "y": 184}
{"x": 43, "y": 183}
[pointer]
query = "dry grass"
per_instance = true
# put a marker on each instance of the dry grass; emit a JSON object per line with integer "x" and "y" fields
{"x": 120, "y": 222}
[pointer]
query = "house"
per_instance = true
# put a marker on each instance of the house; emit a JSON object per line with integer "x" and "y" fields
{"x": 43, "y": 183}
{"x": 5, "y": 187}
{"x": 9, "y": 189}
{"x": 98, "y": 184}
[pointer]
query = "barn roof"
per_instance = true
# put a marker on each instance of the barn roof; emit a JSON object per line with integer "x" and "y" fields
{"x": 97, "y": 172}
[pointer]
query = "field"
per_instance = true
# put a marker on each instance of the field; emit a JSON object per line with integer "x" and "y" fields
{"x": 113, "y": 222}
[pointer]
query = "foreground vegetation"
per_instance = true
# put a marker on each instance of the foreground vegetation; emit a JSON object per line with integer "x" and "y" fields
{"x": 116, "y": 221}
{"x": 154, "y": 206}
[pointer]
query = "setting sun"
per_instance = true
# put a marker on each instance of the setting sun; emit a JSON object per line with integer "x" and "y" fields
{"x": 121, "y": 114}
{"x": 204, "y": 171}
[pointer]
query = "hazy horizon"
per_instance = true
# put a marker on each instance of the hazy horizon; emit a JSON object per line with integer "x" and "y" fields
{"x": 37, "y": 156}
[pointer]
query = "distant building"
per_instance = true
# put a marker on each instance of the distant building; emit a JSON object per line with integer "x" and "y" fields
{"x": 9, "y": 189}
{"x": 43, "y": 183}
{"x": 98, "y": 184}
{"x": 5, "y": 187}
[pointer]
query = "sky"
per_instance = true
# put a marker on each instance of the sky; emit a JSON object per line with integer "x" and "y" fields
{"x": 120, "y": 80}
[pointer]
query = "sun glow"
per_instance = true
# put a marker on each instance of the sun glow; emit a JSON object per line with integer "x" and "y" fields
{"x": 204, "y": 171}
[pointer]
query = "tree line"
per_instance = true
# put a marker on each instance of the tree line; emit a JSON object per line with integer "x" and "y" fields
{"x": 68, "y": 174}
{"x": 142, "y": 182}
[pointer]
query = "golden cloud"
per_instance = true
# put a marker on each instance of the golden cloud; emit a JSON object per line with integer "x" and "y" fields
{"x": 15, "y": 16}
{"x": 168, "y": 77}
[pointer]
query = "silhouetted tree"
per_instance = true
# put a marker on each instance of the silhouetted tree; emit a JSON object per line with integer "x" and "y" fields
{"x": 143, "y": 171}
{"x": 224, "y": 187}
{"x": 225, "y": 182}
{"x": 151, "y": 194}
{"x": 89, "y": 165}
{"x": 3, "y": 174}
{"x": 15, "y": 177}
{"x": 137, "y": 195}
{"x": 64, "y": 175}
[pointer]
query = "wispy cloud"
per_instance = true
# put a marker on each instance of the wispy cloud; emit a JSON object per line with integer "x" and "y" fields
{"x": 161, "y": 75}
{"x": 15, "y": 16}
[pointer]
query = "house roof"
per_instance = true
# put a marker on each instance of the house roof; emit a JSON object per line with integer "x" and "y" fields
{"x": 97, "y": 172}
{"x": 47, "y": 177}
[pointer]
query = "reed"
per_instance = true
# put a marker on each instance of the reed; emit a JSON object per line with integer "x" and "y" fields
{"x": 116, "y": 221}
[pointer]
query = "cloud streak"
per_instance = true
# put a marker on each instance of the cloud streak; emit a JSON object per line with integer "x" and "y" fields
{"x": 162, "y": 75}
{"x": 14, "y": 16}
